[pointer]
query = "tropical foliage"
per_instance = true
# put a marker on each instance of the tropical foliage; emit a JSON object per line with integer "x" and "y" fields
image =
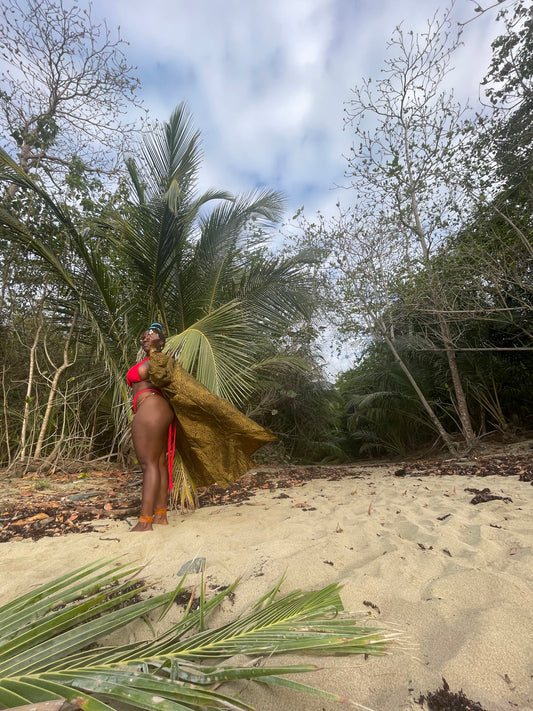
{"x": 196, "y": 262}
{"x": 51, "y": 643}
{"x": 382, "y": 414}
{"x": 428, "y": 272}
{"x": 427, "y": 275}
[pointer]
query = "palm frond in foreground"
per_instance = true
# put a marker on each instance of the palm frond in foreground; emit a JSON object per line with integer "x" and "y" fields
{"x": 48, "y": 650}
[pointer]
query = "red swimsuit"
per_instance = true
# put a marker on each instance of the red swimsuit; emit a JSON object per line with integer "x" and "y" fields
{"x": 133, "y": 373}
{"x": 132, "y": 376}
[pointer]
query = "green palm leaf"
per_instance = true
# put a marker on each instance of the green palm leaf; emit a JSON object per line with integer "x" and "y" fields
{"x": 172, "y": 155}
{"x": 12, "y": 173}
{"x": 75, "y": 610}
{"x": 276, "y": 292}
{"x": 214, "y": 350}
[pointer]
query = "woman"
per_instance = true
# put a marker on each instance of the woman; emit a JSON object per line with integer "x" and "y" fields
{"x": 215, "y": 441}
{"x": 150, "y": 432}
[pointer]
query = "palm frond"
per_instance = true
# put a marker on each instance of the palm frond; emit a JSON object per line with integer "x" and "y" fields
{"x": 13, "y": 228}
{"x": 12, "y": 173}
{"x": 172, "y": 158}
{"x": 276, "y": 292}
{"x": 165, "y": 673}
{"x": 215, "y": 350}
{"x": 300, "y": 621}
{"x": 184, "y": 493}
{"x": 256, "y": 209}
{"x": 86, "y": 279}
{"x": 229, "y": 234}
{"x": 138, "y": 186}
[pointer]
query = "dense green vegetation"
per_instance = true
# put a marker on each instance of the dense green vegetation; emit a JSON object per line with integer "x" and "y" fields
{"x": 428, "y": 270}
{"x": 196, "y": 263}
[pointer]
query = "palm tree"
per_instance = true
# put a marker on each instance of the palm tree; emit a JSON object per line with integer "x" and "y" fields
{"x": 195, "y": 262}
{"x": 204, "y": 273}
{"x": 49, "y": 643}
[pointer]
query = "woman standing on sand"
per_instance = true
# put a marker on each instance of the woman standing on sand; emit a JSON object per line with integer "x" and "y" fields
{"x": 214, "y": 440}
{"x": 151, "y": 433}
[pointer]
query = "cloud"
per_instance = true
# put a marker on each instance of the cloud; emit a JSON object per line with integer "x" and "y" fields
{"x": 266, "y": 82}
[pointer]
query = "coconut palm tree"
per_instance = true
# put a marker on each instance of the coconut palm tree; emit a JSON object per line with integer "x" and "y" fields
{"x": 199, "y": 262}
{"x": 50, "y": 643}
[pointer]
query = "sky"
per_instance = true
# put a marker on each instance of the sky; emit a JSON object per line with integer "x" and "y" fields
{"x": 267, "y": 82}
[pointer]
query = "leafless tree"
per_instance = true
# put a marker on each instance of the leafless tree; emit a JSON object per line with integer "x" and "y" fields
{"x": 66, "y": 89}
{"x": 407, "y": 130}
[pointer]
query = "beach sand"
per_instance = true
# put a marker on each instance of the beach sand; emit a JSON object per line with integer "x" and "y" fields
{"x": 413, "y": 554}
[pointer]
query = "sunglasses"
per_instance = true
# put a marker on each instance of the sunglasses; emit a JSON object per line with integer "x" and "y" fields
{"x": 150, "y": 332}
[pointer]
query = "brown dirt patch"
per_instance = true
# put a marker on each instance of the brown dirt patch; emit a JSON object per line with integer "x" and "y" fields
{"x": 34, "y": 506}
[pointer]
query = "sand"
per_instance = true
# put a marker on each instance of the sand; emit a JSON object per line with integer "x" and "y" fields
{"x": 413, "y": 554}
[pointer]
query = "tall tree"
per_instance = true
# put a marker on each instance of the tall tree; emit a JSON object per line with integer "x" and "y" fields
{"x": 496, "y": 246}
{"x": 364, "y": 261}
{"x": 509, "y": 88}
{"x": 66, "y": 89}
{"x": 499, "y": 162}
{"x": 407, "y": 131}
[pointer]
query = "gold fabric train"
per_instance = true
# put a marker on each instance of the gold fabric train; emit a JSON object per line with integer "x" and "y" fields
{"x": 214, "y": 440}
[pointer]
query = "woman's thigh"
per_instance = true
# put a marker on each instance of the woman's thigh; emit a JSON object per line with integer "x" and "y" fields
{"x": 150, "y": 426}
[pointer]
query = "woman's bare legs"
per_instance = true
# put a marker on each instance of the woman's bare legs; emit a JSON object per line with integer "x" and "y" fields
{"x": 150, "y": 437}
{"x": 161, "y": 500}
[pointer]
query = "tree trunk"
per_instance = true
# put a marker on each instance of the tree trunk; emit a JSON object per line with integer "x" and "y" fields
{"x": 6, "y": 419}
{"x": 53, "y": 391}
{"x": 5, "y": 275}
{"x": 462, "y": 405}
{"x": 432, "y": 416}
{"x": 26, "y": 416}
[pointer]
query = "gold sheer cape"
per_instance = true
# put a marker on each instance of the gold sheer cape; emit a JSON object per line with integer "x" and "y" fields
{"x": 214, "y": 440}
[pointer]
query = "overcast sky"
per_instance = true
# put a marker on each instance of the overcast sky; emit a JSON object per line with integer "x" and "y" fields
{"x": 266, "y": 81}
